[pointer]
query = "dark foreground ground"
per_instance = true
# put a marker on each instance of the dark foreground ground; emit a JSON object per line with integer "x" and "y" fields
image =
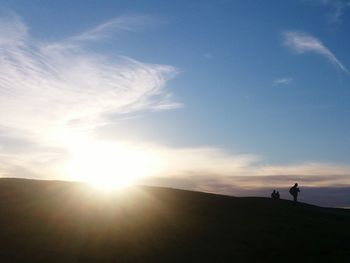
{"x": 50, "y": 221}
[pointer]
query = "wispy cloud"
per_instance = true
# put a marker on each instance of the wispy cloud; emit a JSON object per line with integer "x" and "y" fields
{"x": 339, "y": 7}
{"x": 301, "y": 42}
{"x": 43, "y": 88}
{"x": 217, "y": 171}
{"x": 250, "y": 170}
{"x": 103, "y": 31}
{"x": 282, "y": 81}
{"x": 50, "y": 90}
{"x": 124, "y": 23}
{"x": 214, "y": 170}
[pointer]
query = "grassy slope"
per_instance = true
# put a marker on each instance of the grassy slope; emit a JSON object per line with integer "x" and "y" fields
{"x": 48, "y": 221}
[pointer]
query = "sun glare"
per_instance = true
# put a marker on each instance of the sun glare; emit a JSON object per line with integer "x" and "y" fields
{"x": 109, "y": 166}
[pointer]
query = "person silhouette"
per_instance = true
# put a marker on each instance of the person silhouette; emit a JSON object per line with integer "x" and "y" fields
{"x": 294, "y": 191}
{"x": 273, "y": 195}
{"x": 277, "y": 195}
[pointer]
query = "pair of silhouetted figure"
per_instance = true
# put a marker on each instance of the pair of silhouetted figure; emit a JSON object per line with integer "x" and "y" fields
{"x": 294, "y": 191}
{"x": 275, "y": 195}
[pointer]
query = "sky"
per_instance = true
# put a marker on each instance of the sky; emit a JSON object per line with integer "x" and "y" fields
{"x": 232, "y": 97}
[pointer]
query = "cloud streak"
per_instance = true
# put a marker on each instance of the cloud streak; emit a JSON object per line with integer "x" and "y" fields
{"x": 301, "y": 43}
{"x": 282, "y": 81}
{"x": 339, "y": 8}
{"x": 105, "y": 30}
{"x": 44, "y": 88}
{"x": 49, "y": 92}
{"x": 206, "y": 167}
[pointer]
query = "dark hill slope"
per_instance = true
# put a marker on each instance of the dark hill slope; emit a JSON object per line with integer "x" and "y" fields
{"x": 52, "y": 221}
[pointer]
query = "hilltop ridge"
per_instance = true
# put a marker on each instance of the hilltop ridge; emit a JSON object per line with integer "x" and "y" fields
{"x": 55, "y": 221}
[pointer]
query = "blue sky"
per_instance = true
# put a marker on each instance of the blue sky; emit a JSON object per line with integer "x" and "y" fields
{"x": 258, "y": 85}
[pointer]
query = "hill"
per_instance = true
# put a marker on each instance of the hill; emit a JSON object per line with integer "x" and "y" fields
{"x": 53, "y": 221}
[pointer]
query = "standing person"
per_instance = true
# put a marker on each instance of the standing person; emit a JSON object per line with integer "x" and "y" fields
{"x": 294, "y": 191}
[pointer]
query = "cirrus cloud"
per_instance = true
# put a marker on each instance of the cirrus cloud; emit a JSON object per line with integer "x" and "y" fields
{"x": 43, "y": 88}
{"x": 282, "y": 81}
{"x": 48, "y": 91}
{"x": 302, "y": 42}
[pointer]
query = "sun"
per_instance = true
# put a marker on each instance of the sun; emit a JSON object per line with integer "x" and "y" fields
{"x": 109, "y": 166}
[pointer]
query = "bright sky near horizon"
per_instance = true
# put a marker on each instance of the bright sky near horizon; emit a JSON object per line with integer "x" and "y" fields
{"x": 205, "y": 95}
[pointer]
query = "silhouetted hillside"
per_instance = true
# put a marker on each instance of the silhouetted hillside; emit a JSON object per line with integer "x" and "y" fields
{"x": 52, "y": 221}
